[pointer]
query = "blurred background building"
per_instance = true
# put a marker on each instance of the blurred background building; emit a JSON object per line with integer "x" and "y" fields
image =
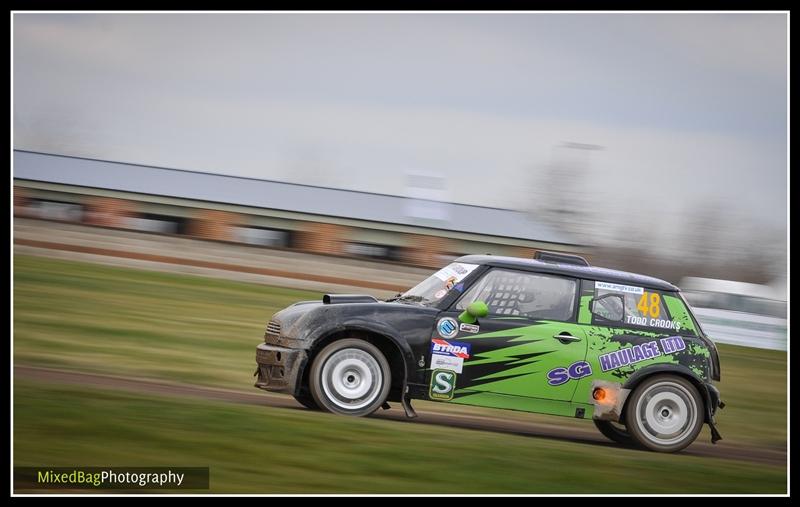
{"x": 420, "y": 230}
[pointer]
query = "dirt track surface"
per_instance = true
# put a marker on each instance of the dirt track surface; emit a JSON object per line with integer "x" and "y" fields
{"x": 722, "y": 450}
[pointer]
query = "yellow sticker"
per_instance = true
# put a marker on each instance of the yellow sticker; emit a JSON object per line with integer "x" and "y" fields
{"x": 650, "y": 304}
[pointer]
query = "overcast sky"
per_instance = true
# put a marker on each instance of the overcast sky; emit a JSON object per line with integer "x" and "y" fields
{"x": 688, "y": 108}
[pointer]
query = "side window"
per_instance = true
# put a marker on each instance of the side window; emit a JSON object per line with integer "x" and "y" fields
{"x": 641, "y": 307}
{"x": 523, "y": 294}
{"x": 609, "y": 308}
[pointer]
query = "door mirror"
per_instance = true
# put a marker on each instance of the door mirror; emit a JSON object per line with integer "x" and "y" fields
{"x": 476, "y": 310}
{"x": 609, "y": 307}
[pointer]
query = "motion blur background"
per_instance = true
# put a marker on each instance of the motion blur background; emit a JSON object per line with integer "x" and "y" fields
{"x": 357, "y": 151}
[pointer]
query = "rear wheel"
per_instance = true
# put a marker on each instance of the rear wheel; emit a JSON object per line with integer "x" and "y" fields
{"x": 664, "y": 413}
{"x": 350, "y": 377}
{"x": 614, "y": 431}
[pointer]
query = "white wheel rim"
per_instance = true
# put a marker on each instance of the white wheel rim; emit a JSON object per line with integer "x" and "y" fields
{"x": 666, "y": 413}
{"x": 351, "y": 379}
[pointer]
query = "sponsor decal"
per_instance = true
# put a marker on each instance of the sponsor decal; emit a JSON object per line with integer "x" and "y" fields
{"x": 457, "y": 270}
{"x": 454, "y": 349}
{"x": 638, "y": 353}
{"x": 459, "y": 287}
{"x": 439, "y": 362}
{"x": 469, "y": 328}
{"x": 617, "y": 287}
{"x": 443, "y": 385}
{"x": 629, "y": 356}
{"x": 447, "y": 355}
{"x": 447, "y": 327}
{"x": 450, "y": 282}
{"x": 672, "y": 344}
{"x": 440, "y": 294}
{"x": 575, "y": 371}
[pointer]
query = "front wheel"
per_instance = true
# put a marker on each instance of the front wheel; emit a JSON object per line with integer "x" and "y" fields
{"x": 614, "y": 431}
{"x": 664, "y": 413}
{"x": 350, "y": 377}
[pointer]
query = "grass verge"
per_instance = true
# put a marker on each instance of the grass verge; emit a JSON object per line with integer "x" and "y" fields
{"x": 273, "y": 450}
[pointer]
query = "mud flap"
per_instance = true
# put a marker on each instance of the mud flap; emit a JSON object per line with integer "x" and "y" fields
{"x": 715, "y": 436}
{"x": 406, "y": 402}
{"x": 714, "y": 433}
{"x": 410, "y": 413}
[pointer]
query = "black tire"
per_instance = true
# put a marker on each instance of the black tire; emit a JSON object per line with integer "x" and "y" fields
{"x": 614, "y": 431}
{"x": 665, "y": 413}
{"x": 307, "y": 401}
{"x": 350, "y": 377}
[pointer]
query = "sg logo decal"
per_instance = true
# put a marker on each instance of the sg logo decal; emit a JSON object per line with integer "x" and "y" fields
{"x": 576, "y": 370}
{"x": 447, "y": 327}
{"x": 443, "y": 384}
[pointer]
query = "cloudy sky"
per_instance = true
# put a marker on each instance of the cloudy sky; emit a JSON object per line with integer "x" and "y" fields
{"x": 688, "y": 108}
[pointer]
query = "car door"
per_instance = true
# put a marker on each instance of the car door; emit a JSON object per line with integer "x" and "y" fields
{"x": 528, "y": 345}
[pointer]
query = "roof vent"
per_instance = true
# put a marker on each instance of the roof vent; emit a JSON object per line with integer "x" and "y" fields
{"x": 560, "y": 258}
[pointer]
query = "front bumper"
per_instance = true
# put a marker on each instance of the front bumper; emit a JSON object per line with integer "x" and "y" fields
{"x": 279, "y": 369}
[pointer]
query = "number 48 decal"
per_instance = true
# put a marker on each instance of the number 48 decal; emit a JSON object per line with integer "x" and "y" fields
{"x": 650, "y": 304}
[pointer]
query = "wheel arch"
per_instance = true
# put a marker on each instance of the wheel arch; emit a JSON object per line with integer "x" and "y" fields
{"x": 389, "y": 346}
{"x": 673, "y": 369}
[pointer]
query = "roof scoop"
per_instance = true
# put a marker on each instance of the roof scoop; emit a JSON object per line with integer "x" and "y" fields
{"x": 336, "y": 299}
{"x": 560, "y": 258}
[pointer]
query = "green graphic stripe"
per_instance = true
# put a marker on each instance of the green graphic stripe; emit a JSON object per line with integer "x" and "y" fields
{"x": 679, "y": 313}
{"x": 517, "y": 362}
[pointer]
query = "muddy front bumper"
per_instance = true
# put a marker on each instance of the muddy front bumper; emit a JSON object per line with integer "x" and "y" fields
{"x": 279, "y": 369}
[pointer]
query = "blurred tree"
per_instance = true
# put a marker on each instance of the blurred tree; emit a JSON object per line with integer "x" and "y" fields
{"x": 712, "y": 240}
{"x": 703, "y": 233}
{"x": 562, "y": 200}
{"x": 723, "y": 243}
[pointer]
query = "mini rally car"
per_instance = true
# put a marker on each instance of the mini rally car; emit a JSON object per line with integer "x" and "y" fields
{"x": 550, "y": 335}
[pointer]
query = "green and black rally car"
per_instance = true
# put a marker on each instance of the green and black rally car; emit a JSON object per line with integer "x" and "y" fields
{"x": 550, "y": 335}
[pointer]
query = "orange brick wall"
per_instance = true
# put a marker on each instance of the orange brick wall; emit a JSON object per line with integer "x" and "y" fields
{"x": 108, "y": 212}
{"x": 424, "y": 250}
{"x": 321, "y": 238}
{"x": 20, "y": 201}
{"x": 524, "y": 252}
{"x": 213, "y": 224}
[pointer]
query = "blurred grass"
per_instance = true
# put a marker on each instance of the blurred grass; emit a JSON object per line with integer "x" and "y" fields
{"x": 272, "y": 450}
{"x": 141, "y": 323}
{"x": 129, "y": 322}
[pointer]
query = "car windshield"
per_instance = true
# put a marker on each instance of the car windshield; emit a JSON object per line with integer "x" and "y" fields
{"x": 436, "y": 286}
